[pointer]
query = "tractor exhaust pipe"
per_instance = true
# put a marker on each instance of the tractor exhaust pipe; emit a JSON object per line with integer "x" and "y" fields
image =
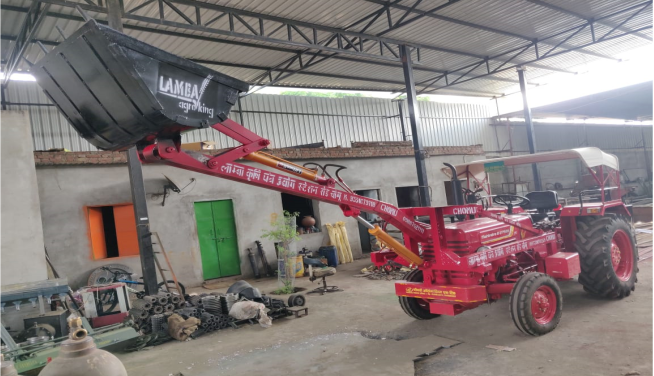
{"x": 456, "y": 185}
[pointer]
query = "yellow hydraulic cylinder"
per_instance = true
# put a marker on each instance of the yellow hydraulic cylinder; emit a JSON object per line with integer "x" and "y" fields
{"x": 286, "y": 166}
{"x": 396, "y": 246}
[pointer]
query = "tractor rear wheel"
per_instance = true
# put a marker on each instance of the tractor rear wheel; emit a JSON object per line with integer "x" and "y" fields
{"x": 608, "y": 256}
{"x": 415, "y": 307}
{"x": 536, "y": 304}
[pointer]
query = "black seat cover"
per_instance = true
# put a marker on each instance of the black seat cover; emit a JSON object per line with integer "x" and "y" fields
{"x": 543, "y": 201}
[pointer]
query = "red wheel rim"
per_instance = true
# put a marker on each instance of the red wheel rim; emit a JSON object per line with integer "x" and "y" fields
{"x": 622, "y": 256}
{"x": 543, "y": 305}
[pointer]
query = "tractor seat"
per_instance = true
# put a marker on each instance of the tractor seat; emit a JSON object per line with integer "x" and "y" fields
{"x": 543, "y": 202}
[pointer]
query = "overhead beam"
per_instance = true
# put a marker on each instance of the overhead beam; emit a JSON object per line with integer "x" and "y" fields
{"x": 351, "y": 44}
{"x": 33, "y": 19}
{"x": 367, "y": 43}
{"x": 585, "y": 18}
{"x": 512, "y": 65}
{"x": 346, "y": 47}
{"x": 554, "y": 54}
{"x": 286, "y": 70}
{"x": 484, "y": 28}
{"x": 260, "y": 46}
{"x": 279, "y": 69}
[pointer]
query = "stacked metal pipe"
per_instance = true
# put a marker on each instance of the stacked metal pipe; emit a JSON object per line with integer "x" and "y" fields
{"x": 151, "y": 311}
{"x": 212, "y": 310}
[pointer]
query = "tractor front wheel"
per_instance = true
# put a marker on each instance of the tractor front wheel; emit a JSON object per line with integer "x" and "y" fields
{"x": 608, "y": 256}
{"x": 415, "y": 307}
{"x": 536, "y": 304}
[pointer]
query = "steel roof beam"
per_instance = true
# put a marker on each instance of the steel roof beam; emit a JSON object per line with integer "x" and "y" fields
{"x": 237, "y": 14}
{"x": 574, "y": 30}
{"x": 366, "y": 41}
{"x": 282, "y": 70}
{"x": 582, "y": 17}
{"x": 33, "y": 19}
{"x": 482, "y": 27}
{"x": 245, "y": 44}
{"x": 242, "y": 43}
{"x": 352, "y": 43}
{"x": 560, "y": 52}
{"x": 277, "y": 69}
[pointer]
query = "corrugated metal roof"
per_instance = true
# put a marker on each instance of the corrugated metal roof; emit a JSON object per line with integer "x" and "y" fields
{"x": 460, "y": 32}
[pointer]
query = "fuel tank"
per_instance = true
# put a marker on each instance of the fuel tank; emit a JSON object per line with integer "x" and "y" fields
{"x": 467, "y": 237}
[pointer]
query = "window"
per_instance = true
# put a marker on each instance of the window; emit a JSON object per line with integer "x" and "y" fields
{"x": 304, "y": 206}
{"x": 112, "y": 230}
{"x": 408, "y": 197}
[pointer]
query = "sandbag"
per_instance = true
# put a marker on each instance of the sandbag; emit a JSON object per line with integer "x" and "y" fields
{"x": 251, "y": 310}
{"x": 181, "y": 329}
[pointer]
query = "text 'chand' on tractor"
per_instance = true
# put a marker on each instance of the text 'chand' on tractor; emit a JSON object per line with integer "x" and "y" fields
{"x": 118, "y": 92}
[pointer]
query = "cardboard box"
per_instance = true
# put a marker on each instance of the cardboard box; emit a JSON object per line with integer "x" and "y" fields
{"x": 197, "y": 146}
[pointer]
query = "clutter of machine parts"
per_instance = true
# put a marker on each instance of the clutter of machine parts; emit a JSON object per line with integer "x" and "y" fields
{"x": 208, "y": 312}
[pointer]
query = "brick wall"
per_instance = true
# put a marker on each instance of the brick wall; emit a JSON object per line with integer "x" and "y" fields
{"x": 358, "y": 150}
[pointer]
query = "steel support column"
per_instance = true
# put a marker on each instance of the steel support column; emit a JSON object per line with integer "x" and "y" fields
{"x": 114, "y": 12}
{"x": 414, "y": 119}
{"x": 648, "y": 167}
{"x": 531, "y": 136}
{"x": 400, "y": 109}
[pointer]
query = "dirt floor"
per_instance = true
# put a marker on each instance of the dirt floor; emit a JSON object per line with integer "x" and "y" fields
{"x": 363, "y": 331}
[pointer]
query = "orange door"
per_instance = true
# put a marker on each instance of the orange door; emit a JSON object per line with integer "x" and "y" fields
{"x": 96, "y": 232}
{"x": 126, "y": 230}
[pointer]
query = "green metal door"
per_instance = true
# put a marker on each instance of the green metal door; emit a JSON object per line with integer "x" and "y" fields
{"x": 217, "y": 236}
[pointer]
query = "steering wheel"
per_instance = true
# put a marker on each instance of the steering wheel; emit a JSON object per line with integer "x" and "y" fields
{"x": 510, "y": 201}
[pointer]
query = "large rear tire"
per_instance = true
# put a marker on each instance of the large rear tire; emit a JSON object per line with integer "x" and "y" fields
{"x": 608, "y": 256}
{"x": 414, "y": 307}
{"x": 536, "y": 304}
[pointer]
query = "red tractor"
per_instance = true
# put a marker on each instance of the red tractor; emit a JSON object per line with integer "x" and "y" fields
{"x": 119, "y": 92}
{"x": 520, "y": 245}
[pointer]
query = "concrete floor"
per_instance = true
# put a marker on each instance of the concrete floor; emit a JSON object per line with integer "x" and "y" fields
{"x": 363, "y": 331}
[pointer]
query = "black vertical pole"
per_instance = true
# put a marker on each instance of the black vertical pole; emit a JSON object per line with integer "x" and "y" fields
{"x": 531, "y": 136}
{"x": 400, "y": 108}
{"x": 414, "y": 119}
{"x": 4, "y": 97}
{"x": 648, "y": 168}
{"x": 240, "y": 111}
{"x": 114, "y": 16}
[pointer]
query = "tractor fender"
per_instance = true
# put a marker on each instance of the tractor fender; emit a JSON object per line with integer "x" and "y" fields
{"x": 619, "y": 209}
{"x": 596, "y": 209}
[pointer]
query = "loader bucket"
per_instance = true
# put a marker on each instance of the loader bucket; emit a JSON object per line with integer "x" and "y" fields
{"x": 117, "y": 91}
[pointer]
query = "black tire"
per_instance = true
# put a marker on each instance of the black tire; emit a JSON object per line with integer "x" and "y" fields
{"x": 595, "y": 237}
{"x": 296, "y": 300}
{"x": 162, "y": 286}
{"x": 100, "y": 277}
{"x": 414, "y": 307}
{"x": 521, "y": 304}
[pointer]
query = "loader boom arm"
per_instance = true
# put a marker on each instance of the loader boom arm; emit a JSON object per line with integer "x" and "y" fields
{"x": 303, "y": 182}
